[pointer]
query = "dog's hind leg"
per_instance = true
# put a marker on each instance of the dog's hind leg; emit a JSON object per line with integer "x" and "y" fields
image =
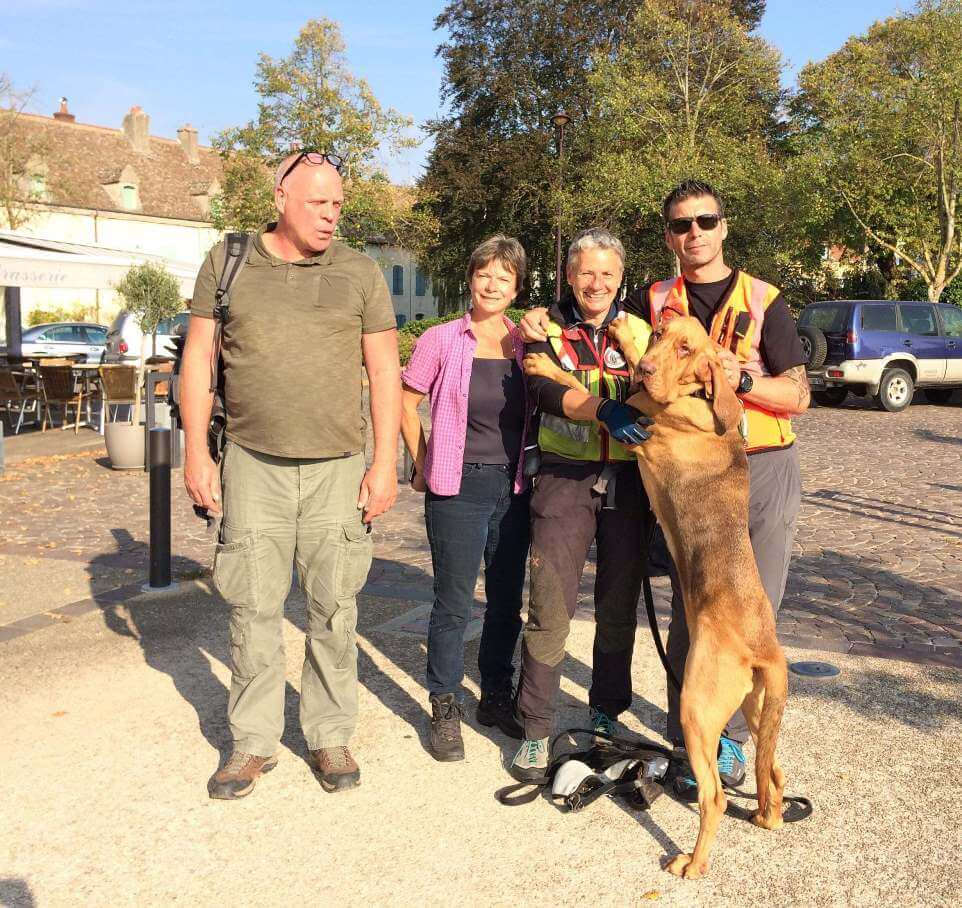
{"x": 714, "y": 686}
{"x": 762, "y": 710}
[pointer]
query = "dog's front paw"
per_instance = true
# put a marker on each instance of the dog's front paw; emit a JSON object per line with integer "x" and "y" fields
{"x": 682, "y": 865}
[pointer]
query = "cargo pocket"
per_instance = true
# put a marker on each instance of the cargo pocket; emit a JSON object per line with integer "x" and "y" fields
{"x": 355, "y": 550}
{"x": 235, "y": 577}
{"x": 354, "y": 559}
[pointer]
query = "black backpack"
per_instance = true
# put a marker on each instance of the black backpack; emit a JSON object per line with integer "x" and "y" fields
{"x": 236, "y": 246}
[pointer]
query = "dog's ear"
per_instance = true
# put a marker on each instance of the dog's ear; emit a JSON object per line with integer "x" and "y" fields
{"x": 724, "y": 404}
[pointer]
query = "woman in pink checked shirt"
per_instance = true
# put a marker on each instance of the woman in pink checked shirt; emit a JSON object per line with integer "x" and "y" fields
{"x": 476, "y": 501}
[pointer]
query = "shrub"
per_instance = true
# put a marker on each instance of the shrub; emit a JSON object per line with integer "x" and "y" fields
{"x": 413, "y": 330}
{"x": 76, "y": 313}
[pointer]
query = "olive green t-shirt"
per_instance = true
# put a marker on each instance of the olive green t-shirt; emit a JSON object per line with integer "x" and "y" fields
{"x": 292, "y": 347}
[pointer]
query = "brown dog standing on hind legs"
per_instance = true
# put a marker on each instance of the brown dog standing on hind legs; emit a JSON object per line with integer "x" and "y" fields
{"x": 695, "y": 472}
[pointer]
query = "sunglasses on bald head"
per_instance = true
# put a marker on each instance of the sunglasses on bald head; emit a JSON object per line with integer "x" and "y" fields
{"x": 314, "y": 158}
{"x": 681, "y": 226}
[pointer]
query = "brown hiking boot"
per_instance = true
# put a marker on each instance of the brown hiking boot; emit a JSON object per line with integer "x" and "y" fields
{"x": 335, "y": 768}
{"x": 239, "y": 775}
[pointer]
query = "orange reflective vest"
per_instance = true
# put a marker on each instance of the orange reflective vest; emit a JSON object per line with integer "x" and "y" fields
{"x": 737, "y": 326}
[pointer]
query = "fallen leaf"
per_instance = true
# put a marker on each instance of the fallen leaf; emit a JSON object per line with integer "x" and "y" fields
{"x": 652, "y": 896}
{"x": 59, "y": 713}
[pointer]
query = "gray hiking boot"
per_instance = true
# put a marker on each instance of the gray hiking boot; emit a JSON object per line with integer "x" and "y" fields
{"x": 530, "y": 763}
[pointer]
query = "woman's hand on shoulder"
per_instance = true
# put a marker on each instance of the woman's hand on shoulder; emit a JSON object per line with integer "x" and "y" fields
{"x": 534, "y": 325}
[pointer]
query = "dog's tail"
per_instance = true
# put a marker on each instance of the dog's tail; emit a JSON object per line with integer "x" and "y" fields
{"x": 775, "y": 679}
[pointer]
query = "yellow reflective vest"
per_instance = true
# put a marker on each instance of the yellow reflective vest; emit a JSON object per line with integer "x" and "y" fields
{"x": 604, "y": 373}
{"x": 737, "y": 326}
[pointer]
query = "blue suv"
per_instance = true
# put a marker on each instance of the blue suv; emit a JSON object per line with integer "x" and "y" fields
{"x": 882, "y": 348}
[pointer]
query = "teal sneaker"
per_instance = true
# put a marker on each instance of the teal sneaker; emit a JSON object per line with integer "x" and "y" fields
{"x": 602, "y": 723}
{"x": 530, "y": 763}
{"x": 731, "y": 769}
{"x": 731, "y": 762}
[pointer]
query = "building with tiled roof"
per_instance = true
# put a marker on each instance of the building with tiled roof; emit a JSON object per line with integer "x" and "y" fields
{"x": 126, "y": 170}
{"x": 122, "y": 190}
{"x": 114, "y": 190}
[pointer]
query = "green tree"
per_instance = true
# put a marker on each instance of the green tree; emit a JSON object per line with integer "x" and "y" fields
{"x": 151, "y": 294}
{"x": 22, "y": 155}
{"x": 509, "y": 66}
{"x": 879, "y": 123}
{"x": 690, "y": 93}
{"x": 310, "y": 99}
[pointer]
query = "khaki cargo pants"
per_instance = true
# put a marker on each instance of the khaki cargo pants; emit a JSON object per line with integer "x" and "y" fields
{"x": 280, "y": 512}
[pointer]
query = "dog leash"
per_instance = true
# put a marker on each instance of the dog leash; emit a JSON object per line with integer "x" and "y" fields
{"x": 650, "y": 602}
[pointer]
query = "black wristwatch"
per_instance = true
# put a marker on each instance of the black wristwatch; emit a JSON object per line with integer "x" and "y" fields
{"x": 745, "y": 383}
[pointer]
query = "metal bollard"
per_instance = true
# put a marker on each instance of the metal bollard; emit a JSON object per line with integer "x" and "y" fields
{"x": 159, "y": 450}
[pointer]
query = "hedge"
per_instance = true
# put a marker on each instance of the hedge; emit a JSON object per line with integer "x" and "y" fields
{"x": 408, "y": 335}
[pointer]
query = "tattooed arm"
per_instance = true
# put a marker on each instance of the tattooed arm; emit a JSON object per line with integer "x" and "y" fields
{"x": 785, "y": 393}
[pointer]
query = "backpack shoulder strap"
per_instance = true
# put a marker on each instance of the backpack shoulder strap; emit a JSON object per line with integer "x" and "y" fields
{"x": 235, "y": 257}
{"x": 235, "y": 248}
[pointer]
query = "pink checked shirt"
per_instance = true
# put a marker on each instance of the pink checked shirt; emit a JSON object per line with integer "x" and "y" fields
{"x": 440, "y": 366}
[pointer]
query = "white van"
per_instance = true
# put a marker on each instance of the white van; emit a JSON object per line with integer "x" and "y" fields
{"x": 124, "y": 338}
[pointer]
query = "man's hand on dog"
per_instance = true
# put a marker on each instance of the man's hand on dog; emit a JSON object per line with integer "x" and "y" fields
{"x": 202, "y": 481}
{"x": 378, "y": 491}
{"x": 733, "y": 369}
{"x": 624, "y": 423}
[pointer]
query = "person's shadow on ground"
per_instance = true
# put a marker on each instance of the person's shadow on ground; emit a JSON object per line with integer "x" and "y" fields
{"x": 177, "y": 639}
{"x": 15, "y": 893}
{"x": 180, "y": 639}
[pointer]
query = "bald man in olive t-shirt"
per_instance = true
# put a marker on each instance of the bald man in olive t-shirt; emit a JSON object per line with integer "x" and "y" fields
{"x": 304, "y": 313}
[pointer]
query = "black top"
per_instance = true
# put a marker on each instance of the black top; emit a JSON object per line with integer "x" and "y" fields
{"x": 779, "y": 346}
{"x": 495, "y": 412}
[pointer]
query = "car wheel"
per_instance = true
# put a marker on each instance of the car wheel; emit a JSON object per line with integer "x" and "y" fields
{"x": 939, "y": 395}
{"x": 829, "y": 397}
{"x": 814, "y": 346}
{"x": 895, "y": 390}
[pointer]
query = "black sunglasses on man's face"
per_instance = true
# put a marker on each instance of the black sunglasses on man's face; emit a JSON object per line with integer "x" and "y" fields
{"x": 314, "y": 158}
{"x": 681, "y": 226}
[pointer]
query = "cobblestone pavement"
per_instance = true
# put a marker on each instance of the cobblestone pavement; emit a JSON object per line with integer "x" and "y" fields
{"x": 878, "y": 557}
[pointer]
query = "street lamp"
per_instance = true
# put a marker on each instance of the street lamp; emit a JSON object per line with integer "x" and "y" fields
{"x": 560, "y": 121}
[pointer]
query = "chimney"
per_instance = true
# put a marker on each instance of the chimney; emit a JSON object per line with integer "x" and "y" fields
{"x": 64, "y": 115}
{"x": 137, "y": 129}
{"x": 187, "y": 136}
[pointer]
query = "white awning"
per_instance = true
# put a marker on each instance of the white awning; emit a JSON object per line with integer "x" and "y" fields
{"x": 29, "y": 262}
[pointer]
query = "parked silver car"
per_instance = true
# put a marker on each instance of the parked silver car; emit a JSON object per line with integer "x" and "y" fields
{"x": 125, "y": 337}
{"x": 65, "y": 339}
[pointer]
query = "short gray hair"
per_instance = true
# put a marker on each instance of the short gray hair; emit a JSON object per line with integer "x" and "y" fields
{"x": 595, "y": 238}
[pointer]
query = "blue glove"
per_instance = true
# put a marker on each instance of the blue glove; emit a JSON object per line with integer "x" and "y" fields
{"x": 624, "y": 423}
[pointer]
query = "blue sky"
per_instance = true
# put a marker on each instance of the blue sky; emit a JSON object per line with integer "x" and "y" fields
{"x": 191, "y": 60}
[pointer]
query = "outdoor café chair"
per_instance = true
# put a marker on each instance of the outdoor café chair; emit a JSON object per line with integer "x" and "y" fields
{"x": 59, "y": 387}
{"x": 119, "y": 384}
{"x": 13, "y": 395}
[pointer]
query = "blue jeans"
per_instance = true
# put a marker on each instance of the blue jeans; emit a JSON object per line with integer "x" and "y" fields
{"x": 485, "y": 520}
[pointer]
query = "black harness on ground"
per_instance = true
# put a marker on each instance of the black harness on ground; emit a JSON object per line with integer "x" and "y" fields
{"x": 652, "y": 766}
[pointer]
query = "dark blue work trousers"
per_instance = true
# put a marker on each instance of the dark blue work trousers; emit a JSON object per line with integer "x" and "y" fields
{"x": 484, "y": 521}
